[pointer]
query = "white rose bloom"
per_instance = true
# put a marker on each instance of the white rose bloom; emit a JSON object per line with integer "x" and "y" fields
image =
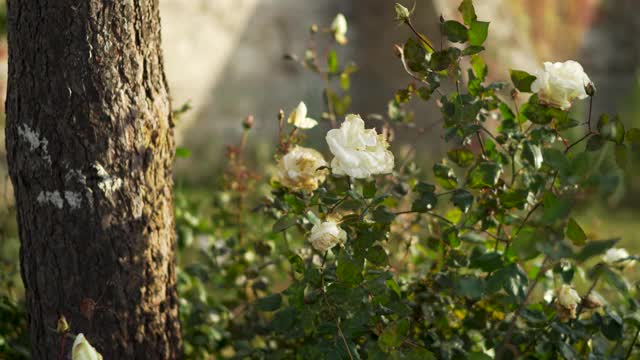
{"x": 299, "y": 119}
{"x": 339, "y": 28}
{"x": 298, "y": 169}
{"x": 82, "y": 350}
{"x": 358, "y": 152}
{"x": 326, "y": 235}
{"x": 614, "y": 255}
{"x": 567, "y": 300}
{"x": 559, "y": 84}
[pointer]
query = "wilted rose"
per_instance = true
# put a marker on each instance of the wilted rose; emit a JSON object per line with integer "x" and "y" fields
{"x": 567, "y": 300}
{"x": 299, "y": 169}
{"x": 326, "y": 235}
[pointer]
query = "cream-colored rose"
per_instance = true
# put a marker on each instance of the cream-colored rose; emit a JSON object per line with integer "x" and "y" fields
{"x": 358, "y": 152}
{"x": 614, "y": 256}
{"x": 339, "y": 28}
{"x": 298, "y": 169}
{"x": 326, "y": 235}
{"x": 299, "y": 119}
{"x": 567, "y": 300}
{"x": 82, "y": 350}
{"x": 559, "y": 84}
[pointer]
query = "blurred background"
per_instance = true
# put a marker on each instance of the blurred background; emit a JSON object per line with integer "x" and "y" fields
{"x": 225, "y": 58}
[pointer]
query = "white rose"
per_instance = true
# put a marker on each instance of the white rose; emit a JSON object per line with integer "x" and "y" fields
{"x": 339, "y": 28}
{"x": 326, "y": 235}
{"x": 298, "y": 169}
{"x": 614, "y": 255}
{"x": 567, "y": 300}
{"x": 358, "y": 153}
{"x": 559, "y": 84}
{"x": 82, "y": 350}
{"x": 299, "y": 119}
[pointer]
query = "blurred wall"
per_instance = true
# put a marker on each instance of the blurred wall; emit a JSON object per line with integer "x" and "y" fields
{"x": 225, "y": 56}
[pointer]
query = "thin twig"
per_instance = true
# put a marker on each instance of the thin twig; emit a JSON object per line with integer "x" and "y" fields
{"x": 633, "y": 343}
{"x": 419, "y": 35}
{"x": 526, "y": 218}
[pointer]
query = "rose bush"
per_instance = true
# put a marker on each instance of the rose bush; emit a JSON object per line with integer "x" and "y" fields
{"x": 478, "y": 256}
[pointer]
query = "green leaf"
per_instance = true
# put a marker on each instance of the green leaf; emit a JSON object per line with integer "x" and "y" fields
{"x": 424, "y": 93}
{"x": 442, "y": 60}
{"x": 349, "y": 270}
{"x": 522, "y": 80}
{"x": 593, "y": 248}
{"x": 524, "y": 243}
{"x": 377, "y": 255}
{"x": 633, "y": 136}
{"x": 556, "y": 159}
{"x": 332, "y": 62}
{"x": 479, "y": 67}
{"x": 269, "y": 303}
{"x": 297, "y": 263}
{"x": 393, "y": 335}
{"x": 467, "y": 11}
{"x": 469, "y": 286}
{"x": 462, "y": 199}
{"x": 487, "y": 262}
{"x": 515, "y": 198}
{"x": 612, "y": 327}
{"x": 555, "y": 208}
{"x": 425, "y": 202}
{"x": 445, "y": 176}
{"x": 595, "y": 143}
{"x": 575, "y": 233}
{"x": 345, "y": 81}
{"x": 478, "y": 32}
{"x": 472, "y": 50}
{"x": 369, "y": 189}
{"x": 461, "y": 156}
{"x": 183, "y": 152}
{"x": 484, "y": 175}
{"x": 415, "y": 55}
{"x": 382, "y": 215}
{"x": 511, "y": 278}
{"x": 455, "y": 31}
{"x": 622, "y": 155}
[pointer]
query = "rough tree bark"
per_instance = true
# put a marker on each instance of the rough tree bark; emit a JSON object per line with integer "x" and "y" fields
{"x": 90, "y": 150}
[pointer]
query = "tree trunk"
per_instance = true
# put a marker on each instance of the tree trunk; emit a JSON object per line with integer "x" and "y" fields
{"x": 90, "y": 150}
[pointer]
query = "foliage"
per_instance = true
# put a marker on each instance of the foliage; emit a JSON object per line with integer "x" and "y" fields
{"x": 467, "y": 262}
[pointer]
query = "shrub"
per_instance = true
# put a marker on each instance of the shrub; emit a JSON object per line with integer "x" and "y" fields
{"x": 369, "y": 258}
